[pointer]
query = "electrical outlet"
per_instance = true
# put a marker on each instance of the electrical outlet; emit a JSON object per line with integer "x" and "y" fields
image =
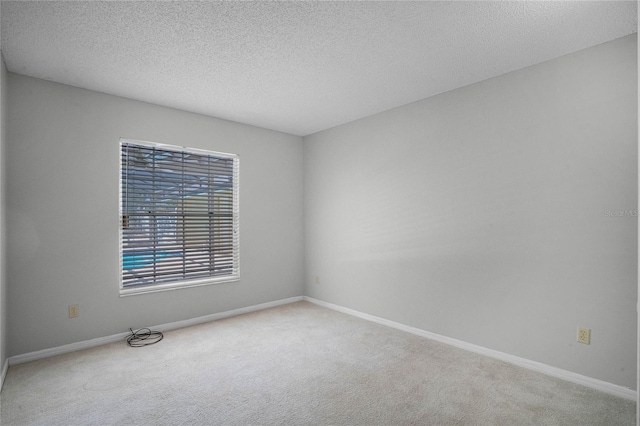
{"x": 584, "y": 335}
{"x": 74, "y": 311}
{"x": 317, "y": 279}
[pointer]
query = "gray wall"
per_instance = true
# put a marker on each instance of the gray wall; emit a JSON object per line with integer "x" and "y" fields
{"x": 3, "y": 281}
{"x": 62, "y": 218}
{"x": 490, "y": 214}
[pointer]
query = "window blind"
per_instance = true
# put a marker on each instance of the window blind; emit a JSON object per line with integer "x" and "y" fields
{"x": 179, "y": 215}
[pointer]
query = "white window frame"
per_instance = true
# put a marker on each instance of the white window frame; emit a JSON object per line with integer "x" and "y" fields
{"x": 152, "y": 287}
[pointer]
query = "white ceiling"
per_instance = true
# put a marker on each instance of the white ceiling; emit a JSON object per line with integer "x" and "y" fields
{"x": 296, "y": 67}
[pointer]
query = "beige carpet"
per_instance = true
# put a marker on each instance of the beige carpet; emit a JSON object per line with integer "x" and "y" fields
{"x": 297, "y": 364}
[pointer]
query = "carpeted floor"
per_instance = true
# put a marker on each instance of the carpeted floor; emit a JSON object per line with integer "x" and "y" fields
{"x": 297, "y": 364}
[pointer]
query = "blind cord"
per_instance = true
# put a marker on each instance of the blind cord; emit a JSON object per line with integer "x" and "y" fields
{"x": 143, "y": 337}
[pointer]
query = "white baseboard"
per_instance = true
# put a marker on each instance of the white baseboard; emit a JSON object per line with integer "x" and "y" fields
{"x": 600, "y": 385}
{"x": 226, "y": 314}
{"x": 569, "y": 376}
{"x": 5, "y": 368}
{"x": 86, "y": 344}
{"x": 64, "y": 349}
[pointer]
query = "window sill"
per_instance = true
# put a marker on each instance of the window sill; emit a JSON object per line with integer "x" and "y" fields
{"x": 155, "y": 288}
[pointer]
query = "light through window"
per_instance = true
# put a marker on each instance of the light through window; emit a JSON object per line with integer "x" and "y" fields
{"x": 179, "y": 217}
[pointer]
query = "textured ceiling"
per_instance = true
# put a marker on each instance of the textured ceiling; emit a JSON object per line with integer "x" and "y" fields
{"x": 296, "y": 67}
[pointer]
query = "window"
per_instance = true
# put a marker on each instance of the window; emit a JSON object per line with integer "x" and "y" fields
{"x": 179, "y": 217}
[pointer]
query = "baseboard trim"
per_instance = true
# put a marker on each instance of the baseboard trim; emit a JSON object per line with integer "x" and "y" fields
{"x": 569, "y": 376}
{"x": 5, "y": 368}
{"x": 86, "y": 344}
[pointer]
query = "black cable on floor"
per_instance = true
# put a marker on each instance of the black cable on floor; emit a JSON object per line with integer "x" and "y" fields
{"x": 143, "y": 337}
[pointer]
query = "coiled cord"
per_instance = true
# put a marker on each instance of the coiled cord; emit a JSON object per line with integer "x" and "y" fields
{"x": 143, "y": 337}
